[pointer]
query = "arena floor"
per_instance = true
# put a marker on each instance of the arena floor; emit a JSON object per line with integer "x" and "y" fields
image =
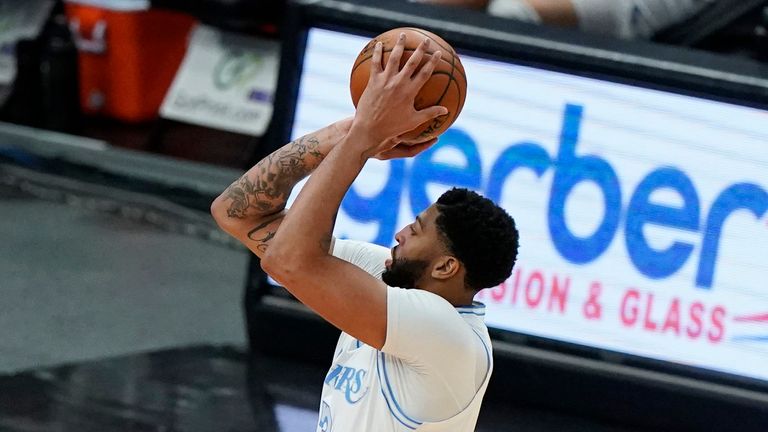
{"x": 203, "y": 389}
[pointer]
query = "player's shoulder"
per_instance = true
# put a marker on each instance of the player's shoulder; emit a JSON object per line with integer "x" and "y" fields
{"x": 368, "y": 256}
{"x": 349, "y": 247}
{"x": 425, "y": 301}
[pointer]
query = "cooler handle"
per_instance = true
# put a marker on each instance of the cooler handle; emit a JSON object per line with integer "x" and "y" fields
{"x": 97, "y": 44}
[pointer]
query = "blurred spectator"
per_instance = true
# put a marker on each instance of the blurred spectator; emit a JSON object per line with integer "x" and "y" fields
{"x": 629, "y": 19}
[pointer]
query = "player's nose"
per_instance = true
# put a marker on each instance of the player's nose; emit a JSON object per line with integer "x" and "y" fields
{"x": 400, "y": 236}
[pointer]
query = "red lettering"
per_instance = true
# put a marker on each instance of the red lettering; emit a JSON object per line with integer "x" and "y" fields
{"x": 534, "y": 291}
{"x": 717, "y": 331}
{"x": 629, "y": 316}
{"x": 497, "y": 294}
{"x": 517, "y": 285}
{"x": 559, "y": 294}
{"x": 673, "y": 318}
{"x": 647, "y": 323}
{"x": 693, "y": 323}
{"x": 694, "y": 329}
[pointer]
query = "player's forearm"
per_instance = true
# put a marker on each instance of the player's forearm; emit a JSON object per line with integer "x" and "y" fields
{"x": 305, "y": 233}
{"x": 264, "y": 189}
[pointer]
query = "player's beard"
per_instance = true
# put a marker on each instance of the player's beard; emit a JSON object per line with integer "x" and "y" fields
{"x": 404, "y": 273}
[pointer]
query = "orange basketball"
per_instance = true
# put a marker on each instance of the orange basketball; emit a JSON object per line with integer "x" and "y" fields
{"x": 447, "y": 86}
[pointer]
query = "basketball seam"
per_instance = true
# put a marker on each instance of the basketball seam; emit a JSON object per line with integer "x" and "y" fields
{"x": 449, "y": 48}
{"x": 450, "y": 78}
{"x": 430, "y": 37}
{"x": 459, "y": 101}
{"x": 447, "y": 85}
{"x": 458, "y": 89}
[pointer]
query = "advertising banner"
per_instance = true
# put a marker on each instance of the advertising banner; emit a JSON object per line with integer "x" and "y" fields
{"x": 226, "y": 81}
{"x": 643, "y": 215}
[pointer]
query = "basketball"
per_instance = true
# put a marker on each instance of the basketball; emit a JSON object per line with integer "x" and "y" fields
{"x": 447, "y": 86}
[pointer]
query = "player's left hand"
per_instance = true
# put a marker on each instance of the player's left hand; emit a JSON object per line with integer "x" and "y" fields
{"x": 405, "y": 150}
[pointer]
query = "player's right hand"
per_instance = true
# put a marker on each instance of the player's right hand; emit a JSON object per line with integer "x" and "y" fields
{"x": 386, "y": 108}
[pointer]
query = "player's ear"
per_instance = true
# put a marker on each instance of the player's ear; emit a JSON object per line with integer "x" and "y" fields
{"x": 445, "y": 267}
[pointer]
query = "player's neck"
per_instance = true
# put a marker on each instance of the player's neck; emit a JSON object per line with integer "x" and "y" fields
{"x": 455, "y": 293}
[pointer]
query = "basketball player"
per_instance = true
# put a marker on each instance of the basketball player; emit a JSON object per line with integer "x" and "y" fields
{"x": 414, "y": 352}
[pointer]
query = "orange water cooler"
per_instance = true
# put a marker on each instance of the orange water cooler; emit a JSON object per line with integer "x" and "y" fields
{"x": 128, "y": 55}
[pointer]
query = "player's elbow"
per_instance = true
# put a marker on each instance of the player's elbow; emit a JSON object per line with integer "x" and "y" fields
{"x": 220, "y": 215}
{"x": 283, "y": 265}
{"x": 271, "y": 266}
{"x": 217, "y": 209}
{"x": 269, "y": 262}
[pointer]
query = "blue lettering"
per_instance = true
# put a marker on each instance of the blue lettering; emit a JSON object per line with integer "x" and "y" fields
{"x": 333, "y": 375}
{"x": 326, "y": 418}
{"x": 523, "y": 155}
{"x": 739, "y": 196}
{"x": 570, "y": 171}
{"x": 347, "y": 379}
{"x": 355, "y": 388}
{"x": 653, "y": 263}
{"x": 383, "y": 207}
{"x": 425, "y": 170}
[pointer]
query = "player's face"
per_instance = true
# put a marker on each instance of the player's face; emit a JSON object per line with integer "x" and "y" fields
{"x": 418, "y": 243}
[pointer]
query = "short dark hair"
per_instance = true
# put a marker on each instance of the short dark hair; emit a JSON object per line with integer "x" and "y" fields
{"x": 480, "y": 234}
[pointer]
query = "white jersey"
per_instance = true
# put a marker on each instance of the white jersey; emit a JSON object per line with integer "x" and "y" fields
{"x": 431, "y": 373}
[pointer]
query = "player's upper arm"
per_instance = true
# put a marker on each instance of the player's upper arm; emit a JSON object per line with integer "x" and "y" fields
{"x": 426, "y": 331}
{"x": 339, "y": 290}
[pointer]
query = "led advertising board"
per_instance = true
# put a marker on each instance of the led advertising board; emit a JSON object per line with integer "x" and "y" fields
{"x": 643, "y": 214}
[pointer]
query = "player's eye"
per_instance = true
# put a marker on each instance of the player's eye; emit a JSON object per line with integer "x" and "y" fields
{"x": 413, "y": 229}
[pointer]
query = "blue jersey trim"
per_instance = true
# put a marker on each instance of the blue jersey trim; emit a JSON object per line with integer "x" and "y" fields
{"x": 474, "y": 305}
{"x": 383, "y": 394}
{"x": 472, "y": 313}
{"x": 487, "y": 351}
{"x": 476, "y": 308}
{"x": 391, "y": 393}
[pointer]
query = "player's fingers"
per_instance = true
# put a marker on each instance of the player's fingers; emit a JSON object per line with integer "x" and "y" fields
{"x": 376, "y": 59}
{"x": 418, "y": 148}
{"x": 413, "y": 63}
{"x": 430, "y": 113}
{"x": 392, "y": 153}
{"x": 426, "y": 71}
{"x": 404, "y": 150}
{"x": 389, "y": 154}
{"x": 393, "y": 64}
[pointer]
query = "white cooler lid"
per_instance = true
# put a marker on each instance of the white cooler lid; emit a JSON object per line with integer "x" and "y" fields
{"x": 118, "y": 5}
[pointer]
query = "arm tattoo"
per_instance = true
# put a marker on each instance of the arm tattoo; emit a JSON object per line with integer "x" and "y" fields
{"x": 264, "y": 238}
{"x": 267, "y": 188}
